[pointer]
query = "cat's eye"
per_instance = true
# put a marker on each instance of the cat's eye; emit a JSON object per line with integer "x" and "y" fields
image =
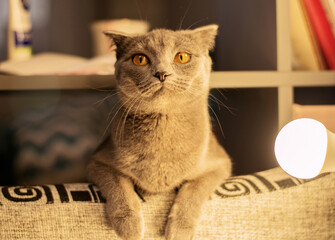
{"x": 182, "y": 57}
{"x": 140, "y": 60}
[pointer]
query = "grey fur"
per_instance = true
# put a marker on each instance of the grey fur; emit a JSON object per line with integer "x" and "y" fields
{"x": 161, "y": 133}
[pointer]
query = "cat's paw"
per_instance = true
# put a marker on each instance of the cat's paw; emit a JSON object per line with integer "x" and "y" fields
{"x": 178, "y": 229}
{"x": 128, "y": 226}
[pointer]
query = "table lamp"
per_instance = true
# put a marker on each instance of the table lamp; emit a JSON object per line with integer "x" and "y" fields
{"x": 305, "y": 148}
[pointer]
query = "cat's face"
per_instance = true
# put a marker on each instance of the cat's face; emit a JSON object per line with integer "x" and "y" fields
{"x": 163, "y": 68}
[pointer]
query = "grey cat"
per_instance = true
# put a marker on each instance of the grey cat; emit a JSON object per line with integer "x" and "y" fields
{"x": 162, "y": 135}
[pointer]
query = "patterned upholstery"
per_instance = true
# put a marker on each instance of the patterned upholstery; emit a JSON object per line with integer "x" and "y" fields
{"x": 264, "y": 205}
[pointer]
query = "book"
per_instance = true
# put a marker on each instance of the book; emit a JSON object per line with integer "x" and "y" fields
{"x": 329, "y": 8}
{"x": 306, "y": 51}
{"x": 322, "y": 30}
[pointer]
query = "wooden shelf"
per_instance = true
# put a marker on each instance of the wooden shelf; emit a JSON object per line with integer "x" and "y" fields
{"x": 226, "y": 79}
{"x": 14, "y": 83}
{"x": 260, "y": 79}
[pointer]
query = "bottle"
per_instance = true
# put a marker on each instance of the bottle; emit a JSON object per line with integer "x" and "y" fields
{"x": 19, "y": 30}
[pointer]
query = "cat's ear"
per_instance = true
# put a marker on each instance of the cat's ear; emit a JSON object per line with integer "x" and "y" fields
{"x": 116, "y": 40}
{"x": 207, "y": 35}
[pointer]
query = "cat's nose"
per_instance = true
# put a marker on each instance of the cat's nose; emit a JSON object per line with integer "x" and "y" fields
{"x": 161, "y": 76}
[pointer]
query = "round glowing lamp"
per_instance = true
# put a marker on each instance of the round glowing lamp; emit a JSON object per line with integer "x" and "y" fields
{"x": 304, "y": 148}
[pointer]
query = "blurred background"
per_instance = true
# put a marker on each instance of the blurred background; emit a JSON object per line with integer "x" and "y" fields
{"x": 246, "y": 42}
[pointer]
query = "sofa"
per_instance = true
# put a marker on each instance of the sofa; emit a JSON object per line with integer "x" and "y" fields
{"x": 265, "y": 205}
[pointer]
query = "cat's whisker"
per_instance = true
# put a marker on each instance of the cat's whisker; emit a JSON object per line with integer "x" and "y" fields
{"x": 188, "y": 92}
{"x": 196, "y": 22}
{"x": 219, "y": 91}
{"x": 99, "y": 102}
{"x": 220, "y": 103}
{"x": 145, "y": 88}
{"x": 180, "y": 80}
{"x": 119, "y": 129}
{"x": 214, "y": 100}
{"x": 153, "y": 85}
{"x": 192, "y": 92}
{"x": 178, "y": 86}
{"x": 217, "y": 119}
{"x": 139, "y": 104}
{"x": 102, "y": 89}
{"x": 138, "y": 10}
{"x": 134, "y": 103}
{"x": 143, "y": 84}
{"x": 124, "y": 119}
{"x": 110, "y": 122}
{"x": 179, "y": 83}
{"x": 184, "y": 16}
{"x": 186, "y": 87}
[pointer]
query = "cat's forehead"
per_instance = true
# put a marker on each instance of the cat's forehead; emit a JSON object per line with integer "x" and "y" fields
{"x": 163, "y": 39}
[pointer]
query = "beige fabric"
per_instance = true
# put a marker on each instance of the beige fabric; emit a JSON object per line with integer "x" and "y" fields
{"x": 265, "y": 205}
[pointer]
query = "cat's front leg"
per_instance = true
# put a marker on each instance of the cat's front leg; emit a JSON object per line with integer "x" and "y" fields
{"x": 122, "y": 203}
{"x": 186, "y": 210}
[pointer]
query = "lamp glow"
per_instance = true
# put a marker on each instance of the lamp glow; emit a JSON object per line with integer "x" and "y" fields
{"x": 304, "y": 148}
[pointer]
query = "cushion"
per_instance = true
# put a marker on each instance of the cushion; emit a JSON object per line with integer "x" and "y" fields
{"x": 56, "y": 136}
{"x": 264, "y": 205}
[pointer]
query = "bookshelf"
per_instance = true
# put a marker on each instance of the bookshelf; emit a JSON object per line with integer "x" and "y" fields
{"x": 284, "y": 79}
{"x": 284, "y": 73}
{"x": 256, "y": 122}
{"x": 219, "y": 79}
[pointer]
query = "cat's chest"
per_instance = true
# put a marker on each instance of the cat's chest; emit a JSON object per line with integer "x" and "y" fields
{"x": 159, "y": 153}
{"x": 154, "y": 131}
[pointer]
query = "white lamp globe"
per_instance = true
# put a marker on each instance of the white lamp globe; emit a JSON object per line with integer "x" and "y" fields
{"x": 301, "y": 148}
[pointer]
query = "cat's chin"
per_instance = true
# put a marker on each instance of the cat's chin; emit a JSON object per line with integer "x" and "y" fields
{"x": 167, "y": 96}
{"x": 156, "y": 92}
{"x": 163, "y": 97}
{"x": 160, "y": 92}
